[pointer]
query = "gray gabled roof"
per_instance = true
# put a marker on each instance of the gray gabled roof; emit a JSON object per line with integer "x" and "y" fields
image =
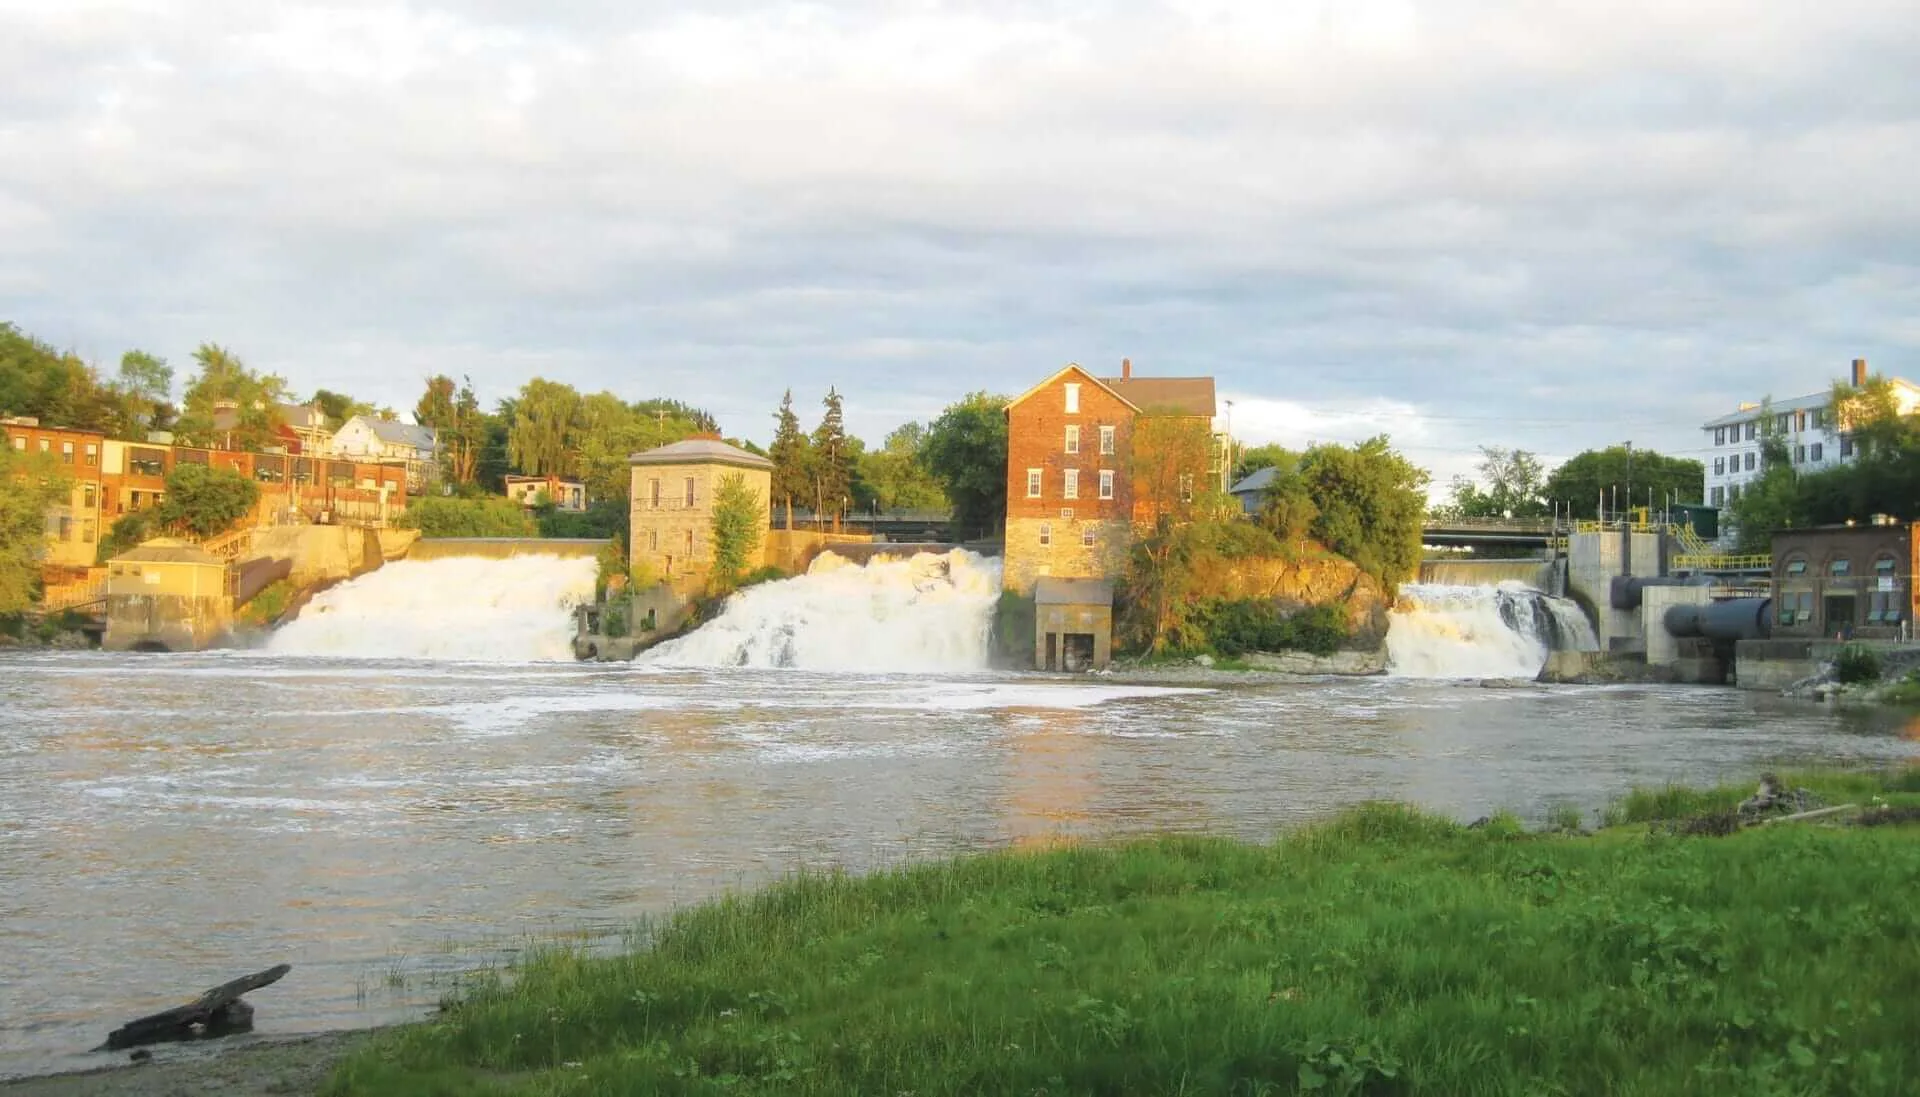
{"x": 1257, "y": 480}
{"x": 395, "y": 433}
{"x": 693, "y": 451}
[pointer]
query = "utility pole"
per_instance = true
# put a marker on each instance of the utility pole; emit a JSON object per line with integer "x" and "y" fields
{"x": 1629, "y": 481}
{"x": 1226, "y": 466}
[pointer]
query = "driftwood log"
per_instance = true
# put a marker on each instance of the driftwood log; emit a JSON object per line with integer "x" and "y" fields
{"x": 218, "y": 1012}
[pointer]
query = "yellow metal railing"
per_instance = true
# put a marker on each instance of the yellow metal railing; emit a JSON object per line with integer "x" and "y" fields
{"x": 1752, "y": 561}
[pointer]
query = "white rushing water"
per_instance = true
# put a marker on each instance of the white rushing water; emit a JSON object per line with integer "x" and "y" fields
{"x": 1500, "y": 631}
{"x": 464, "y": 608}
{"x": 917, "y": 613}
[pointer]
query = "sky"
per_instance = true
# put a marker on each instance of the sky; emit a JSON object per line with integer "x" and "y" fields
{"x": 1551, "y": 227}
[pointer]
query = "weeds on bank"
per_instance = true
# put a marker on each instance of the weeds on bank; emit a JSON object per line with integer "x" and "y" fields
{"x": 1382, "y": 952}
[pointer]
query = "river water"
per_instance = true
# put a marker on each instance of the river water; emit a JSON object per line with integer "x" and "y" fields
{"x": 169, "y": 822}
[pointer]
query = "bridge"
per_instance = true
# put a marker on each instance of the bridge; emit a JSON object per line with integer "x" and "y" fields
{"x": 1470, "y": 532}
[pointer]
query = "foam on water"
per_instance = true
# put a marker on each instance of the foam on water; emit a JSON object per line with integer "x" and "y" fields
{"x": 457, "y": 608}
{"x": 1502, "y": 631}
{"x": 912, "y": 614}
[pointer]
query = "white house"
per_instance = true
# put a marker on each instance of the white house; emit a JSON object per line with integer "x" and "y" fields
{"x": 389, "y": 441}
{"x": 1805, "y": 423}
{"x": 570, "y": 495}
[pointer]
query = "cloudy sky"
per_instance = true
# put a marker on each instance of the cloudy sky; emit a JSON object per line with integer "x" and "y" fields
{"x": 1463, "y": 223}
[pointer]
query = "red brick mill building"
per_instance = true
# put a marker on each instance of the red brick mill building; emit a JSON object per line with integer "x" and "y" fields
{"x": 1073, "y": 502}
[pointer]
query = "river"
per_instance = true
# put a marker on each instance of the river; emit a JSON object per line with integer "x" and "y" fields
{"x": 169, "y": 822}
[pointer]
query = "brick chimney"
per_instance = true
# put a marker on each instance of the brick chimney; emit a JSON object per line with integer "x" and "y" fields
{"x": 1126, "y": 368}
{"x": 1859, "y": 373}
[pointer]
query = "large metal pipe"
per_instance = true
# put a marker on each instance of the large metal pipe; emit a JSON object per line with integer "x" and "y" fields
{"x": 1734, "y": 619}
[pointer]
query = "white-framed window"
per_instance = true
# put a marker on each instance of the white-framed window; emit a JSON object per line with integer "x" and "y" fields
{"x": 1720, "y": 436}
{"x": 1719, "y": 466}
{"x": 1073, "y": 398}
{"x": 1046, "y": 533}
{"x": 1033, "y": 483}
{"x": 1750, "y": 461}
{"x": 1753, "y": 430}
{"x": 1106, "y": 483}
{"x": 1086, "y": 536}
{"x": 1071, "y": 487}
{"x": 1106, "y": 441}
{"x": 93, "y": 455}
{"x": 1073, "y": 438}
{"x": 1186, "y": 487}
{"x": 20, "y": 442}
{"x": 1816, "y": 450}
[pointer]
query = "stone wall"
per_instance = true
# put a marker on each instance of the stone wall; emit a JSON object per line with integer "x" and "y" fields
{"x": 1067, "y": 554}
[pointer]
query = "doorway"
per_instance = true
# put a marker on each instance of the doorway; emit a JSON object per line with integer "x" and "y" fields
{"x": 1837, "y": 615}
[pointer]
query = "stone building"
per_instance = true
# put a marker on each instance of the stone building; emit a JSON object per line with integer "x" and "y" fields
{"x": 672, "y": 505}
{"x": 1074, "y": 492}
{"x": 167, "y": 595}
{"x": 1072, "y": 623}
{"x": 1845, "y": 582}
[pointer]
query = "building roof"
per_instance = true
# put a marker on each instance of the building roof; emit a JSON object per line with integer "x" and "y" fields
{"x": 1166, "y": 395}
{"x": 1798, "y": 403}
{"x": 395, "y": 433}
{"x": 1257, "y": 480}
{"x": 1071, "y": 367}
{"x": 169, "y": 550}
{"x": 512, "y": 478}
{"x": 1049, "y": 590}
{"x": 303, "y": 416}
{"x": 693, "y": 451}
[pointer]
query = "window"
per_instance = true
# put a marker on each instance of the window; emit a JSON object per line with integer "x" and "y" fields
{"x": 1033, "y": 483}
{"x": 87, "y": 493}
{"x": 1719, "y": 496}
{"x": 1106, "y": 441}
{"x": 653, "y": 540}
{"x": 689, "y": 542}
{"x": 689, "y": 505}
{"x": 147, "y": 462}
{"x": 1799, "y": 455}
{"x": 1799, "y": 420}
{"x": 1073, "y": 438}
{"x": 1086, "y": 535}
{"x": 1186, "y": 487}
{"x": 1796, "y": 567}
{"x": 1733, "y": 492}
{"x": 653, "y": 492}
{"x": 1719, "y": 436}
{"x": 1846, "y": 447}
{"x": 93, "y": 455}
{"x": 1753, "y": 430}
{"x": 1883, "y": 566}
{"x": 66, "y": 529}
{"x": 1840, "y": 566}
{"x": 1106, "y": 483}
{"x": 1783, "y": 422}
{"x": 1073, "y": 399}
{"x": 1046, "y": 533}
{"x": 1719, "y": 466}
{"x": 1072, "y": 485}
{"x": 46, "y": 445}
{"x": 1814, "y": 451}
{"x": 1750, "y": 459}
{"x": 20, "y": 442}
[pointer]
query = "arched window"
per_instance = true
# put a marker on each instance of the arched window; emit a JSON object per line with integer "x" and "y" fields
{"x": 1840, "y": 567}
{"x": 1796, "y": 566}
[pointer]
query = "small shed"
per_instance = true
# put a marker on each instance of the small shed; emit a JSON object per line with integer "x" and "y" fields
{"x": 1251, "y": 492}
{"x": 166, "y": 595}
{"x": 1073, "y": 623}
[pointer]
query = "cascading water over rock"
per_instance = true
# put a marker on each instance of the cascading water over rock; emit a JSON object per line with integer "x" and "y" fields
{"x": 924, "y": 612}
{"x": 459, "y": 607}
{"x": 1502, "y": 631}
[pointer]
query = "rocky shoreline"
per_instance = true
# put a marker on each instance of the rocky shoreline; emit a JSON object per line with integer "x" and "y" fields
{"x": 242, "y": 1066}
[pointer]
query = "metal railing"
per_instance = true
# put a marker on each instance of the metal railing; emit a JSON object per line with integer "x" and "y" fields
{"x": 1751, "y": 561}
{"x": 70, "y": 597}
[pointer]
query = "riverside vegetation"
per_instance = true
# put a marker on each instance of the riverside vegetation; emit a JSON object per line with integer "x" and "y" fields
{"x": 1384, "y": 951}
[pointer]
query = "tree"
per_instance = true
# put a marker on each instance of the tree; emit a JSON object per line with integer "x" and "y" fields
{"x": 435, "y": 406}
{"x": 965, "y": 449}
{"x": 541, "y": 439}
{"x": 57, "y": 388}
{"x": 738, "y": 514}
{"x": 29, "y": 484}
{"x": 1578, "y": 486}
{"x": 1270, "y": 455}
{"x": 145, "y": 389}
{"x": 1515, "y": 487}
{"x": 789, "y": 454}
{"x": 338, "y": 407}
{"x": 894, "y": 476}
{"x": 832, "y": 463}
{"x": 458, "y": 423}
{"x": 1371, "y": 505}
{"x": 491, "y": 516}
{"x": 205, "y": 502}
{"x": 254, "y": 399}
{"x": 1287, "y": 508}
{"x": 1171, "y": 455}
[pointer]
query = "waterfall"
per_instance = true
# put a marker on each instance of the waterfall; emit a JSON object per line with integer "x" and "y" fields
{"x": 919, "y": 613}
{"x": 1470, "y": 572}
{"x": 1481, "y": 632}
{"x": 460, "y": 608}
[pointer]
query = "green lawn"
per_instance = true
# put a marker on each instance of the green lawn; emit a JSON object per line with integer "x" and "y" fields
{"x": 1383, "y": 952}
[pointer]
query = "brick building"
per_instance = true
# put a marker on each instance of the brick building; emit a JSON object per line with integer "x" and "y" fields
{"x": 1845, "y": 581}
{"x": 1074, "y": 489}
{"x": 74, "y": 525}
{"x": 672, "y": 505}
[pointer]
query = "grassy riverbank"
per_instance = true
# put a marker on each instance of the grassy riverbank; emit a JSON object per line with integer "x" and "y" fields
{"x": 1384, "y": 952}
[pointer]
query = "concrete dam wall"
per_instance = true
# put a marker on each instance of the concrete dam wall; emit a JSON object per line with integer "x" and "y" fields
{"x": 504, "y": 548}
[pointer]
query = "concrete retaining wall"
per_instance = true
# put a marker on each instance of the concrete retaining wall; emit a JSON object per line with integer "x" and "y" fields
{"x": 1777, "y": 664}
{"x": 503, "y": 548}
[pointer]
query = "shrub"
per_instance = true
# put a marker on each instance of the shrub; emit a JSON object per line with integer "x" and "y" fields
{"x": 767, "y": 574}
{"x": 1857, "y": 663}
{"x": 1254, "y": 624}
{"x": 446, "y": 516}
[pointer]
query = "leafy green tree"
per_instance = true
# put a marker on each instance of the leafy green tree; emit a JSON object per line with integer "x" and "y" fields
{"x": 738, "y": 515}
{"x": 1287, "y": 509}
{"x": 1577, "y": 487}
{"x": 1515, "y": 487}
{"x": 57, "y": 388}
{"x": 1255, "y": 458}
{"x": 29, "y": 484}
{"x": 224, "y": 378}
{"x": 1170, "y": 458}
{"x": 205, "y": 502}
{"x": 338, "y": 407}
{"x": 435, "y": 406}
{"x": 832, "y": 464}
{"x": 790, "y": 454}
{"x": 489, "y": 516}
{"x": 965, "y": 449}
{"x": 1372, "y": 505}
{"x": 894, "y": 477}
{"x": 542, "y": 438}
{"x": 145, "y": 391}
{"x": 127, "y": 532}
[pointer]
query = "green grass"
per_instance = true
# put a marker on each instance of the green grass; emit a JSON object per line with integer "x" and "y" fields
{"x": 266, "y": 606}
{"x": 1382, "y": 952}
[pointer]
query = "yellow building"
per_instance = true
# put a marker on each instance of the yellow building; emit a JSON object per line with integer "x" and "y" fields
{"x": 166, "y": 595}
{"x": 673, "y": 489}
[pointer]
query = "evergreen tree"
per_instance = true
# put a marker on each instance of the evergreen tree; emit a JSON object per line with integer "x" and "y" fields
{"x": 832, "y": 464}
{"x": 789, "y": 456}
